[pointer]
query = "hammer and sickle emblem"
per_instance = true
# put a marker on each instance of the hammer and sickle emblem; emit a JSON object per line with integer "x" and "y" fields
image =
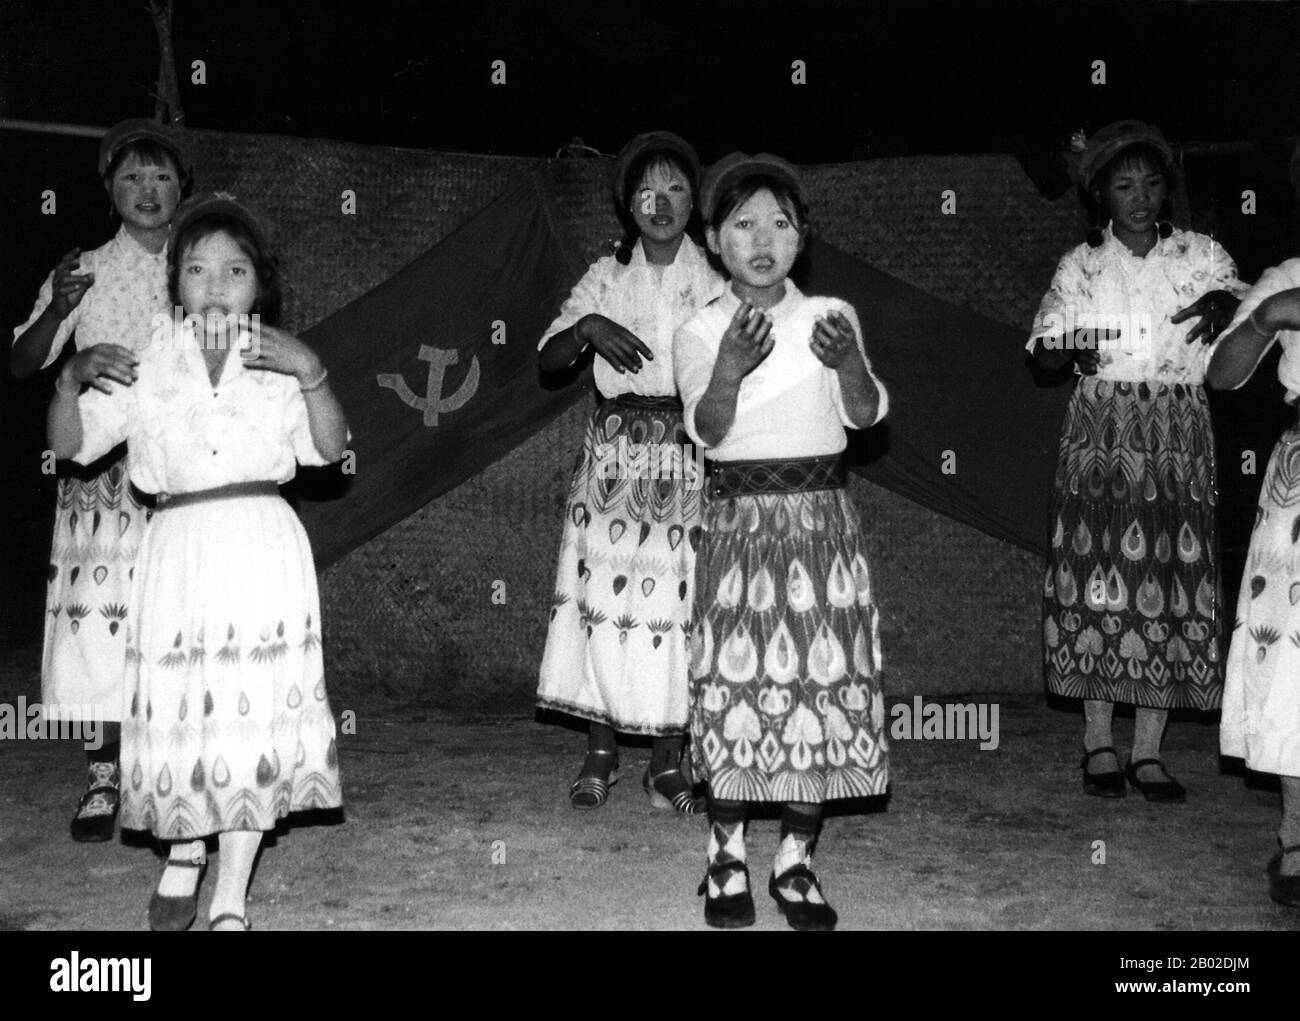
{"x": 433, "y": 402}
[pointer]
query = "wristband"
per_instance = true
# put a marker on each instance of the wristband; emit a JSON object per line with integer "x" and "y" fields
{"x": 324, "y": 374}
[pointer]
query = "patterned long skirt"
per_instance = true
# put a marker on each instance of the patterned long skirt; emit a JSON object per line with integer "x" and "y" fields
{"x": 1261, "y": 704}
{"x": 616, "y": 645}
{"x": 228, "y": 724}
{"x": 1132, "y": 601}
{"x": 786, "y": 700}
{"x": 98, "y": 525}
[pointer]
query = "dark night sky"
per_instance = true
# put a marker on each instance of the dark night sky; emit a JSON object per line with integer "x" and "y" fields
{"x": 884, "y": 78}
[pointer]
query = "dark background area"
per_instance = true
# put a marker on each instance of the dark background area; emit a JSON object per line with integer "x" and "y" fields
{"x": 883, "y": 80}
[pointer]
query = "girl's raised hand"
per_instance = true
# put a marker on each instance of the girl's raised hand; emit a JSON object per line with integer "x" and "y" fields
{"x": 95, "y": 365}
{"x": 69, "y": 286}
{"x": 833, "y": 339}
{"x": 746, "y": 343}
{"x": 276, "y": 351}
{"x": 619, "y": 346}
{"x": 1216, "y": 309}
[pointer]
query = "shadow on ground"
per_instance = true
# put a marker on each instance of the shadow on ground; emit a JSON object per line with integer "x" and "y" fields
{"x": 458, "y": 825}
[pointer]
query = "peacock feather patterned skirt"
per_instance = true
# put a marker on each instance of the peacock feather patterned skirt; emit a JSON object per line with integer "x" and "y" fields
{"x": 1131, "y": 598}
{"x": 616, "y": 643}
{"x": 786, "y": 700}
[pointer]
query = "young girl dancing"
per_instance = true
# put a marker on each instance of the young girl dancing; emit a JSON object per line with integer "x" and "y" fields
{"x": 106, "y": 299}
{"x": 786, "y": 697}
{"x": 1131, "y": 609}
{"x": 616, "y": 648}
{"x": 227, "y": 727}
{"x": 1261, "y": 703}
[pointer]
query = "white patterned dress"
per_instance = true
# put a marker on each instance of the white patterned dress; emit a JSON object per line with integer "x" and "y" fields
{"x": 1261, "y": 698}
{"x": 616, "y": 646}
{"x": 228, "y": 726}
{"x": 98, "y": 522}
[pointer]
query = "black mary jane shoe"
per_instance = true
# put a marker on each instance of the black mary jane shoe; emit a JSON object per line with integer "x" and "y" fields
{"x": 175, "y": 914}
{"x": 1284, "y": 890}
{"x": 96, "y": 818}
{"x": 1166, "y": 792}
{"x": 730, "y": 910}
{"x": 1102, "y": 785}
{"x": 803, "y": 914}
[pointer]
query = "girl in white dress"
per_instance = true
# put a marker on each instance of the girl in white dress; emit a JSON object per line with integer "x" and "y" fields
{"x": 104, "y": 300}
{"x": 1261, "y": 698}
{"x": 227, "y": 726}
{"x": 616, "y": 648}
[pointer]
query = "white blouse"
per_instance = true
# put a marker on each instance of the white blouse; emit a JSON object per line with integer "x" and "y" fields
{"x": 791, "y": 405}
{"x": 1109, "y": 285}
{"x": 649, "y": 301}
{"x": 1274, "y": 279}
{"x": 130, "y": 288}
{"x": 183, "y": 434}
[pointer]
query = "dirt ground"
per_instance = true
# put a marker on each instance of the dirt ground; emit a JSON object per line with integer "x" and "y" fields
{"x": 457, "y": 824}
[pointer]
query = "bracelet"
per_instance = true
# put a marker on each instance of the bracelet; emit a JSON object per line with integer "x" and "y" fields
{"x": 58, "y": 385}
{"x": 1255, "y": 326}
{"x": 324, "y": 374}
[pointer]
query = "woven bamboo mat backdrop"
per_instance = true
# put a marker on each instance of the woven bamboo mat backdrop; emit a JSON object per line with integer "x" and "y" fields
{"x": 409, "y": 617}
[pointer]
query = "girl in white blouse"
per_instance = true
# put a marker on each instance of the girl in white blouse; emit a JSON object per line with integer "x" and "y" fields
{"x": 787, "y": 704}
{"x": 104, "y": 300}
{"x": 1131, "y": 610}
{"x": 227, "y": 726}
{"x": 616, "y": 647}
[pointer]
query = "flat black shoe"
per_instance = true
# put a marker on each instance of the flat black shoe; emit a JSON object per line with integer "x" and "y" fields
{"x": 732, "y": 910}
{"x": 96, "y": 818}
{"x": 175, "y": 914}
{"x": 1166, "y": 792}
{"x": 1282, "y": 889}
{"x": 802, "y": 914}
{"x": 1102, "y": 785}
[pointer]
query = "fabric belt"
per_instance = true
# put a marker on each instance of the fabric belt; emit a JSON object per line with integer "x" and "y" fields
{"x": 668, "y": 403}
{"x": 167, "y": 501}
{"x": 792, "y": 475}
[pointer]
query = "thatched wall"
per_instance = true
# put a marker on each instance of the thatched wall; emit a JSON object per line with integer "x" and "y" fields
{"x": 410, "y": 615}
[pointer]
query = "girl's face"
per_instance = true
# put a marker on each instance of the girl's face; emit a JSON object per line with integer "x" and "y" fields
{"x": 1134, "y": 195}
{"x": 758, "y": 242}
{"x": 144, "y": 194}
{"x": 662, "y": 203}
{"x": 217, "y": 280}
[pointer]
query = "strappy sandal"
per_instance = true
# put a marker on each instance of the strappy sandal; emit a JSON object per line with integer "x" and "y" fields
{"x": 176, "y": 914}
{"x": 727, "y": 910}
{"x": 683, "y": 802}
{"x": 96, "y": 818}
{"x": 1102, "y": 785}
{"x": 229, "y": 916}
{"x": 1282, "y": 889}
{"x": 1167, "y": 791}
{"x": 803, "y": 914}
{"x": 588, "y": 792}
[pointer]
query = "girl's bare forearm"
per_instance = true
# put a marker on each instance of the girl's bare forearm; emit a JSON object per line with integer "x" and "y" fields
{"x": 329, "y": 426}
{"x": 33, "y": 346}
{"x": 716, "y": 412}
